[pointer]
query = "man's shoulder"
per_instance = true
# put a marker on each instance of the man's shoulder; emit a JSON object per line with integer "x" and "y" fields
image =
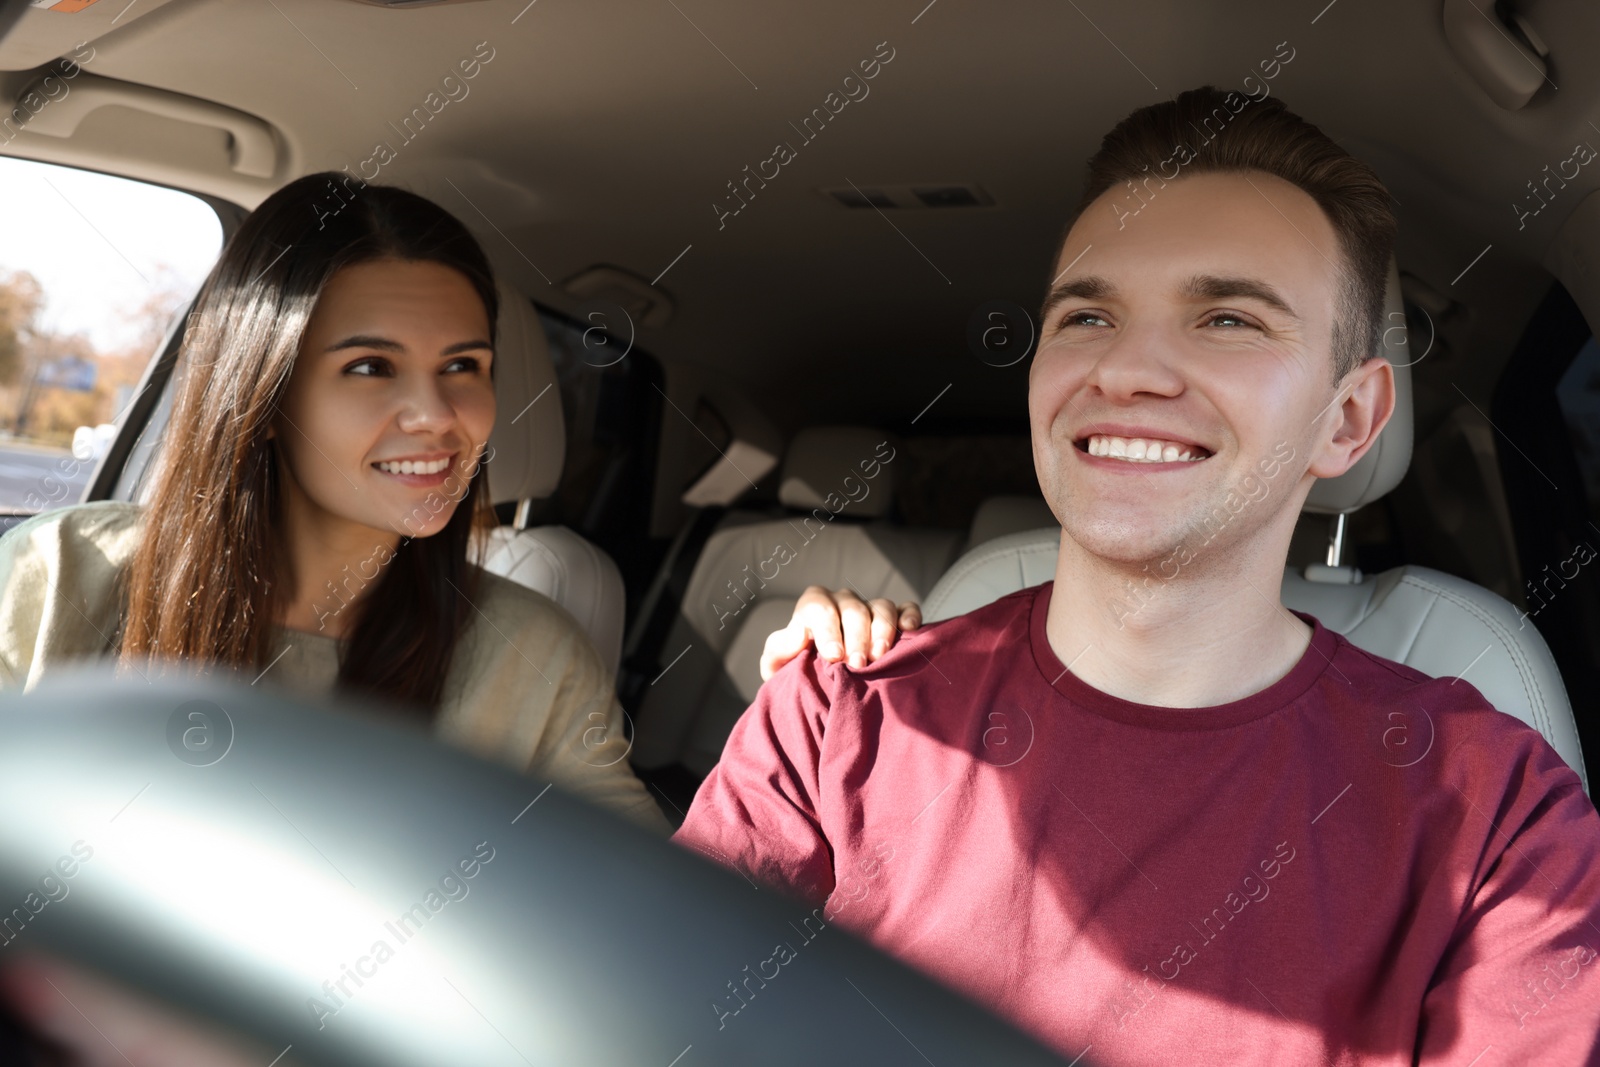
{"x": 1373, "y": 677}
{"x": 1446, "y": 715}
{"x": 982, "y": 624}
{"x": 998, "y": 617}
{"x": 935, "y": 649}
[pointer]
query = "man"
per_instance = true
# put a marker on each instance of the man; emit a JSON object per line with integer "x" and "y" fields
{"x": 1165, "y": 828}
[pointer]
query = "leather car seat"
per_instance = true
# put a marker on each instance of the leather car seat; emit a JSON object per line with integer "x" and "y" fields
{"x": 743, "y": 586}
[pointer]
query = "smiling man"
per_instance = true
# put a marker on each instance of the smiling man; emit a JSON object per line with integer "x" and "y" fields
{"x": 1161, "y": 828}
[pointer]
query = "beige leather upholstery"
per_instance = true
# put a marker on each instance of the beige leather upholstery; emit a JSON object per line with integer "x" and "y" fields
{"x": 529, "y": 446}
{"x": 1434, "y": 622}
{"x": 745, "y": 582}
{"x": 991, "y": 570}
{"x": 573, "y": 572}
{"x": 1001, "y": 515}
{"x": 818, "y": 460}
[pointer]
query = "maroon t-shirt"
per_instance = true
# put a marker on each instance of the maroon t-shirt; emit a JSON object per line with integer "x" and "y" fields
{"x": 1358, "y": 864}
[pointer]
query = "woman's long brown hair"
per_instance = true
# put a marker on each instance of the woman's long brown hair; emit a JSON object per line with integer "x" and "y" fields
{"x": 212, "y": 573}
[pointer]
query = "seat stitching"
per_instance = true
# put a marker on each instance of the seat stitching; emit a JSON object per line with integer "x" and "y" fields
{"x": 964, "y": 568}
{"x": 1529, "y": 679}
{"x": 989, "y": 557}
{"x": 1415, "y": 634}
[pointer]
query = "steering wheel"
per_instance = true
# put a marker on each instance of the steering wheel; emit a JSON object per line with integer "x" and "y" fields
{"x": 324, "y": 878}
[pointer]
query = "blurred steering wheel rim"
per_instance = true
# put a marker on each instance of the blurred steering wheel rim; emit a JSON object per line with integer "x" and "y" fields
{"x": 577, "y": 909}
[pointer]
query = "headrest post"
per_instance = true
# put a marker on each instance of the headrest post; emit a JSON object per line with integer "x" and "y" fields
{"x": 524, "y": 509}
{"x": 1336, "y": 540}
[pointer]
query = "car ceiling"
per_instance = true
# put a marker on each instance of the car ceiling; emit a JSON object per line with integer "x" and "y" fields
{"x": 603, "y": 133}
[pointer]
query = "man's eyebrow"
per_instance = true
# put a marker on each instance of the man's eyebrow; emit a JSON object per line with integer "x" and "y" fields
{"x": 1197, "y": 287}
{"x": 1083, "y": 287}
{"x": 1226, "y": 287}
{"x": 384, "y": 344}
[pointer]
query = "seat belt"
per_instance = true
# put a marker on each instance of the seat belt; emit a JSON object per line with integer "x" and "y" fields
{"x": 641, "y": 652}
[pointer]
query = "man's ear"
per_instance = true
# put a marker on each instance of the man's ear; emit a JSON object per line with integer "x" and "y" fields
{"x": 1364, "y": 403}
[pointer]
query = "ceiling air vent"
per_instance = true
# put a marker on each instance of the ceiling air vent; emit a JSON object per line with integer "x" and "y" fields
{"x": 949, "y": 196}
{"x": 910, "y": 197}
{"x": 864, "y": 198}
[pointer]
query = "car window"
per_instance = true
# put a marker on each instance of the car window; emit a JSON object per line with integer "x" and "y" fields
{"x": 92, "y": 270}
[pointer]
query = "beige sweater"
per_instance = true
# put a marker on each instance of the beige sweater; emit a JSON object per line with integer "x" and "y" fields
{"x": 526, "y": 687}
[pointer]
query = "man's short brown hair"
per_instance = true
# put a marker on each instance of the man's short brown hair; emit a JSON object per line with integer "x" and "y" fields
{"x": 1206, "y": 130}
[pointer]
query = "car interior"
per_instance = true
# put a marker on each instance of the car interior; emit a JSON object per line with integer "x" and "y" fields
{"x": 684, "y": 392}
{"x": 765, "y": 317}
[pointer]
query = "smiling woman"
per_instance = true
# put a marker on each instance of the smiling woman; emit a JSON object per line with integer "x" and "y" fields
{"x": 319, "y": 348}
{"x": 312, "y": 516}
{"x": 390, "y": 400}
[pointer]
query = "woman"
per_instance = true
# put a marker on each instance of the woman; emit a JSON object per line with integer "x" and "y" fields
{"x": 320, "y": 486}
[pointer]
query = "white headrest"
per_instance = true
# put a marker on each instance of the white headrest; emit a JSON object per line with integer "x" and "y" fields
{"x": 529, "y": 440}
{"x": 1385, "y": 463}
{"x": 819, "y": 460}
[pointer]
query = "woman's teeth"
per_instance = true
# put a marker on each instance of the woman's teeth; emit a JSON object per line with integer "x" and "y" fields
{"x": 1143, "y": 450}
{"x": 408, "y": 467}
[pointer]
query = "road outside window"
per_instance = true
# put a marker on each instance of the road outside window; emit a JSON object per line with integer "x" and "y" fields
{"x": 93, "y": 269}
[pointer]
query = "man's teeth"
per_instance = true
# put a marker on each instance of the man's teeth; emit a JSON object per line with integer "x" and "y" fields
{"x": 1143, "y": 449}
{"x": 408, "y": 467}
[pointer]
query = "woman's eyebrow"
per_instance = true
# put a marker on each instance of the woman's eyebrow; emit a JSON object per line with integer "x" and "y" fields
{"x": 384, "y": 344}
{"x": 363, "y": 340}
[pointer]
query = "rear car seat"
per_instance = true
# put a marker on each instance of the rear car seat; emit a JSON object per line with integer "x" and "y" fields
{"x": 837, "y": 486}
{"x": 1002, "y": 515}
